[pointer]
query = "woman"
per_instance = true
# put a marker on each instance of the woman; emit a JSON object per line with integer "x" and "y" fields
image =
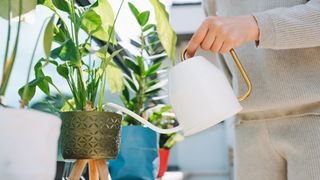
{"x": 278, "y": 42}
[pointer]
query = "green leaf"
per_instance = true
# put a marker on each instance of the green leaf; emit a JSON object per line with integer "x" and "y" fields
{"x": 115, "y": 78}
{"x": 125, "y": 93}
{"x": 134, "y": 11}
{"x": 141, "y": 64}
{"x": 143, "y": 18}
{"x": 43, "y": 85}
{"x": 47, "y": 3}
{"x": 132, "y": 66}
{"x": 97, "y": 20}
{"x": 27, "y": 6}
{"x": 62, "y": 5}
{"x": 48, "y": 37}
{"x": 147, "y": 27}
{"x": 131, "y": 84}
{"x": 63, "y": 71}
{"x": 166, "y": 33}
{"x": 60, "y": 32}
{"x": 153, "y": 69}
{"x": 66, "y": 52}
{"x": 29, "y": 92}
{"x": 152, "y": 92}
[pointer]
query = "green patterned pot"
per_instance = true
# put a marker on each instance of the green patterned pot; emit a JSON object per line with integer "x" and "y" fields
{"x": 90, "y": 135}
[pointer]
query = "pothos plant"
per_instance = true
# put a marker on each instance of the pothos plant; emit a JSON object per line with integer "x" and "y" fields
{"x": 143, "y": 85}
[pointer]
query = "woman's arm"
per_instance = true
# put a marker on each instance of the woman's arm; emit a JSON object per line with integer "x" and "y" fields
{"x": 281, "y": 28}
{"x": 287, "y": 28}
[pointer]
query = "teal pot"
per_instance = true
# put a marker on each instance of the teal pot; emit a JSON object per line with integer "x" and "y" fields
{"x": 138, "y": 158}
{"x": 90, "y": 135}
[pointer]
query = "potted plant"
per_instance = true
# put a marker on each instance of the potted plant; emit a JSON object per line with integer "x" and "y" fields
{"x": 88, "y": 132}
{"x": 164, "y": 118}
{"x": 139, "y": 147}
{"x": 28, "y": 138}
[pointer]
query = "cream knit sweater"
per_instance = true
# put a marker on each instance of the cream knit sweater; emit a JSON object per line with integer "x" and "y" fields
{"x": 285, "y": 66}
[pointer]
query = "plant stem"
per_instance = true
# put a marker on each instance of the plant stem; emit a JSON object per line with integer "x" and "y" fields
{"x": 8, "y": 36}
{"x": 9, "y": 64}
{"x": 103, "y": 79}
{"x": 25, "y": 91}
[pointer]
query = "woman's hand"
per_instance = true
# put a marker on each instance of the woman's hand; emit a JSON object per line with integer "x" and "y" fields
{"x": 221, "y": 34}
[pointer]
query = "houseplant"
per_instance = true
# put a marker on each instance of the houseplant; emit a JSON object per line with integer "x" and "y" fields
{"x": 139, "y": 146}
{"x": 162, "y": 117}
{"x": 28, "y": 138}
{"x": 87, "y": 131}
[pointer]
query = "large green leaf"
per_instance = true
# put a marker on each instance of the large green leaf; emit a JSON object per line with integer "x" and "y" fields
{"x": 66, "y": 52}
{"x": 115, "y": 78}
{"x": 97, "y": 20}
{"x": 48, "y": 37}
{"x": 167, "y": 35}
{"x": 27, "y": 5}
{"x": 63, "y": 5}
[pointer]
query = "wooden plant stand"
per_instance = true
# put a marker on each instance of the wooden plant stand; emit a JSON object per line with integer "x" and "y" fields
{"x": 98, "y": 169}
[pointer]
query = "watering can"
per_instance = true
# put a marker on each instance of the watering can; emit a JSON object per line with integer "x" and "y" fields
{"x": 200, "y": 95}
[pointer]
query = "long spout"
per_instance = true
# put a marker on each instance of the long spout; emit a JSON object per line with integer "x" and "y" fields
{"x": 143, "y": 121}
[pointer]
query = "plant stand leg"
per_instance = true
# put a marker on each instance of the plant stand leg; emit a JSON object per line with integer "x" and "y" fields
{"x": 77, "y": 169}
{"x": 103, "y": 169}
{"x": 93, "y": 170}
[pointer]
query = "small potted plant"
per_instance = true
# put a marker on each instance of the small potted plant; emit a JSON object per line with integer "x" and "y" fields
{"x": 88, "y": 132}
{"x": 139, "y": 147}
{"x": 164, "y": 118}
{"x": 28, "y": 138}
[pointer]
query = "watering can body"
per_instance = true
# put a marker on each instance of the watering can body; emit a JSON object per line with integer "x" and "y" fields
{"x": 200, "y": 95}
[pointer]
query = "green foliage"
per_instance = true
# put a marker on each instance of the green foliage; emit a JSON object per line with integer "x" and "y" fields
{"x": 166, "y": 33}
{"x": 84, "y": 70}
{"x": 143, "y": 81}
{"x": 160, "y": 119}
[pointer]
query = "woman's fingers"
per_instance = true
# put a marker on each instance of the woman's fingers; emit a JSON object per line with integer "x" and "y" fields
{"x": 197, "y": 38}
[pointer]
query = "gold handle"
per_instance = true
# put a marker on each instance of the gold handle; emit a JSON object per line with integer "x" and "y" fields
{"x": 239, "y": 66}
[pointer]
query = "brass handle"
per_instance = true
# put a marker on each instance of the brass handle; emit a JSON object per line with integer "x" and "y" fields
{"x": 239, "y": 66}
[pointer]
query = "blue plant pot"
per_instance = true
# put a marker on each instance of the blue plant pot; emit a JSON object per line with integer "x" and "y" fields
{"x": 138, "y": 158}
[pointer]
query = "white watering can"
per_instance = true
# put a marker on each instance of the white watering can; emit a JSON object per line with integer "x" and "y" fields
{"x": 200, "y": 95}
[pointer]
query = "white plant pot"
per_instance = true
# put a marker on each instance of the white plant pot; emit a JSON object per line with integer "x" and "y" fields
{"x": 28, "y": 144}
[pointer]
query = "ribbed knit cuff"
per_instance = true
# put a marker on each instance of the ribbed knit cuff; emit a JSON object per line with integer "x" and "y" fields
{"x": 267, "y": 36}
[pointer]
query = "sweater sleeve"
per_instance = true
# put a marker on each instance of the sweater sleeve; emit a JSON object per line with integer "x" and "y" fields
{"x": 288, "y": 28}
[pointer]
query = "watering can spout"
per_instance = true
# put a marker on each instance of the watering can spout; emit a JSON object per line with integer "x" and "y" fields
{"x": 143, "y": 121}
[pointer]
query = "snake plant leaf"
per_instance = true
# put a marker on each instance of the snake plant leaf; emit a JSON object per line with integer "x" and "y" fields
{"x": 166, "y": 34}
{"x": 143, "y": 18}
{"x": 97, "y": 21}
{"x": 115, "y": 78}
{"x": 27, "y": 6}
{"x": 66, "y": 52}
{"x": 48, "y": 37}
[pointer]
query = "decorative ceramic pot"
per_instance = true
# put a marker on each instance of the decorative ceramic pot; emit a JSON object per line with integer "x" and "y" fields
{"x": 90, "y": 135}
{"x": 29, "y": 143}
